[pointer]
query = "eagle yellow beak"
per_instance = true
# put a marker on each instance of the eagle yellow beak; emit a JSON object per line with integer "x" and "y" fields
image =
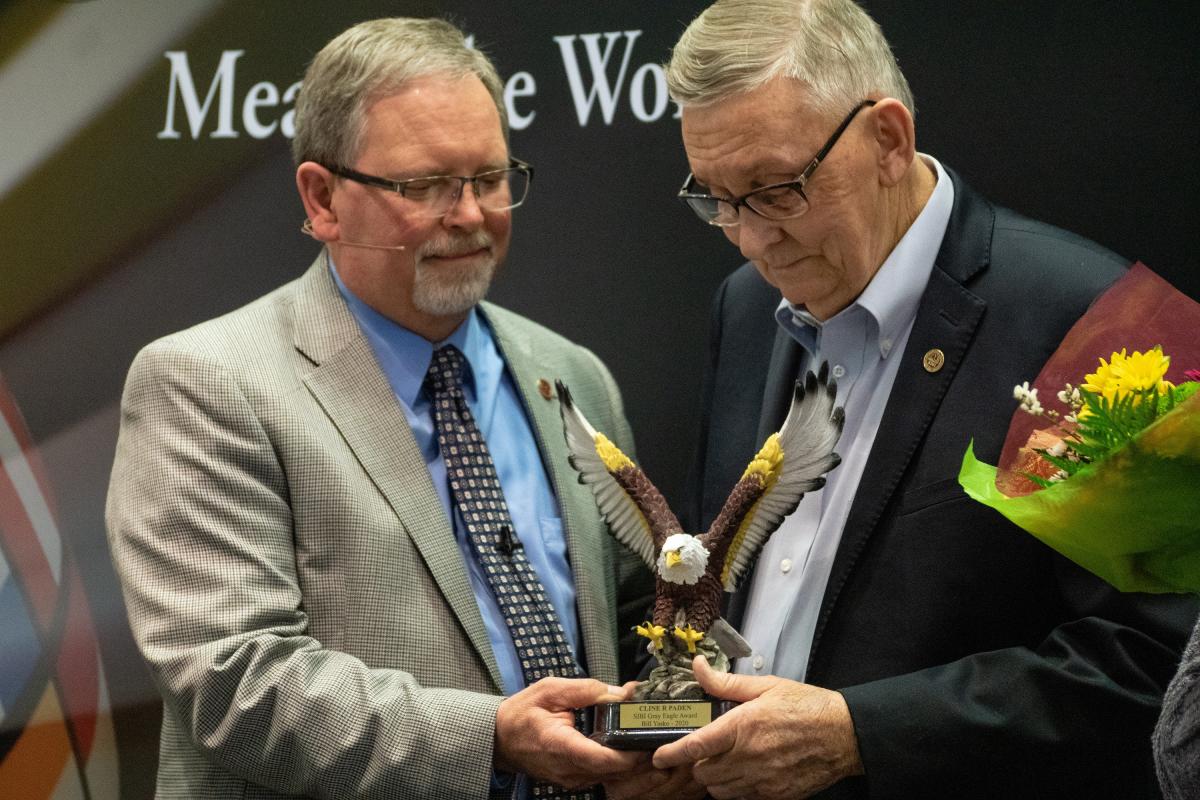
{"x": 673, "y": 558}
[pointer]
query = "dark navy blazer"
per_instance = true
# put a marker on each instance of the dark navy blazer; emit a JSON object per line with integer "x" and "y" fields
{"x": 976, "y": 662}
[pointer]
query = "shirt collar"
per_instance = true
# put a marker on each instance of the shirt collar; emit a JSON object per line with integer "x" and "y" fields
{"x": 405, "y": 355}
{"x": 893, "y": 295}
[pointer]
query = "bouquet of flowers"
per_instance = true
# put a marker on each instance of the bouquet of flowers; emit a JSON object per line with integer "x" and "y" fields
{"x": 1112, "y": 480}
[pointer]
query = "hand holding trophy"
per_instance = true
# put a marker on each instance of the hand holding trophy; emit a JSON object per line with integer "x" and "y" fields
{"x": 691, "y": 572}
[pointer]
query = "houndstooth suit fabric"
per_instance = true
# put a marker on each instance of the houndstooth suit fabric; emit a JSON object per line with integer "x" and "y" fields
{"x": 290, "y": 575}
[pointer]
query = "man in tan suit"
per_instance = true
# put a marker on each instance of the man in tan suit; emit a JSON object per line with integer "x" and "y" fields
{"x": 298, "y": 560}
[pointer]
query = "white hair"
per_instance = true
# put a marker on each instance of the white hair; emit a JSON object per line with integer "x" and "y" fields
{"x": 693, "y": 559}
{"x": 831, "y": 46}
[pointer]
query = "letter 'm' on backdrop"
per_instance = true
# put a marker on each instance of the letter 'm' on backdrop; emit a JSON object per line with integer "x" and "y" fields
{"x": 146, "y": 184}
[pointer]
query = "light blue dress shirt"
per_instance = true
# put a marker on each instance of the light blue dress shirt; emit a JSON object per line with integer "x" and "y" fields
{"x": 404, "y": 357}
{"x": 863, "y": 344}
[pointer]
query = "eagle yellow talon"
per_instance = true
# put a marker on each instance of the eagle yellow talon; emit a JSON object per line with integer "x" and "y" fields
{"x": 690, "y": 636}
{"x": 652, "y": 632}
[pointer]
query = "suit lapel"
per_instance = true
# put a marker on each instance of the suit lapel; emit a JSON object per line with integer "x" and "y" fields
{"x": 355, "y": 394}
{"x": 786, "y": 355}
{"x": 946, "y": 320}
{"x": 579, "y": 517}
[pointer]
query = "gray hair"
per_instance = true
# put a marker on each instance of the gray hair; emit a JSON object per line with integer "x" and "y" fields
{"x": 832, "y": 46}
{"x": 372, "y": 60}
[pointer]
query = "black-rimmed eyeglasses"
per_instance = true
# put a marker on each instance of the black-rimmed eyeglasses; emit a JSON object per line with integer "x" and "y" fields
{"x": 777, "y": 201}
{"x": 435, "y": 195}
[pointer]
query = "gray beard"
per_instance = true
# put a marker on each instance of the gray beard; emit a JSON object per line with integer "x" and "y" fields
{"x": 444, "y": 290}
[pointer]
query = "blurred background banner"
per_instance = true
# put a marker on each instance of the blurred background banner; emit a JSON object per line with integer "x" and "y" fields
{"x": 146, "y": 184}
{"x": 56, "y": 732}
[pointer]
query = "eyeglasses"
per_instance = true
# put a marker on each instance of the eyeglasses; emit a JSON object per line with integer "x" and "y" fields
{"x": 435, "y": 195}
{"x": 776, "y": 201}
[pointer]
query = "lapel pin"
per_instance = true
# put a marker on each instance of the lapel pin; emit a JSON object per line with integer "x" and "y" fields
{"x": 544, "y": 389}
{"x": 933, "y": 360}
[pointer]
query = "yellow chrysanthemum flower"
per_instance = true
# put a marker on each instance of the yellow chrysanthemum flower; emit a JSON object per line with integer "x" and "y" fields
{"x": 1123, "y": 374}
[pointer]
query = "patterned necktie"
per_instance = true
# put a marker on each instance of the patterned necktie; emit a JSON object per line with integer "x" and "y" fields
{"x": 537, "y": 634}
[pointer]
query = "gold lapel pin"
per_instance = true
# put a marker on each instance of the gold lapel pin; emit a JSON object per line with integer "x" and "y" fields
{"x": 544, "y": 389}
{"x": 933, "y": 360}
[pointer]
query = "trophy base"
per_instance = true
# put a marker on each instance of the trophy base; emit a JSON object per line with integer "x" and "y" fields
{"x": 648, "y": 724}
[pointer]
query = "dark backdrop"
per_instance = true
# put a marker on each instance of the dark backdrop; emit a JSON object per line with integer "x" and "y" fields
{"x": 1082, "y": 114}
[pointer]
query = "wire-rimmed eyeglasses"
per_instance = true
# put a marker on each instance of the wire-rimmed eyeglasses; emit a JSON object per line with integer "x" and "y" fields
{"x": 776, "y": 201}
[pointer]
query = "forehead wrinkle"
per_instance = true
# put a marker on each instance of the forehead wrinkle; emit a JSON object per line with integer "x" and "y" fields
{"x": 747, "y": 166}
{"x": 746, "y": 156}
{"x": 766, "y": 135}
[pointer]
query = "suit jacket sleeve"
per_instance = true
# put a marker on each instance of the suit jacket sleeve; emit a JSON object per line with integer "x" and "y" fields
{"x": 1177, "y": 736}
{"x": 200, "y": 527}
{"x": 1068, "y": 715}
{"x": 1015, "y": 671}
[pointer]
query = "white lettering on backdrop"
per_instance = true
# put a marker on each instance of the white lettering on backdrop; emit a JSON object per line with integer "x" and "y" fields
{"x": 266, "y": 110}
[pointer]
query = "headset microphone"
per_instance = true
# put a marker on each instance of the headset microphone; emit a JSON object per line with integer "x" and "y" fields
{"x": 306, "y": 228}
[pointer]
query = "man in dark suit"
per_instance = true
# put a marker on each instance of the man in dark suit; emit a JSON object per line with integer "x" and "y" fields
{"x": 908, "y": 642}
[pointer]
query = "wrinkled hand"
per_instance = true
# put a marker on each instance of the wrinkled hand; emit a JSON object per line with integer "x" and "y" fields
{"x": 649, "y": 783}
{"x": 535, "y": 734}
{"x": 785, "y": 740}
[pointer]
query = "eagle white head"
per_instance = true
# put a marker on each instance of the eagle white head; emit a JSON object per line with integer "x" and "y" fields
{"x": 683, "y": 559}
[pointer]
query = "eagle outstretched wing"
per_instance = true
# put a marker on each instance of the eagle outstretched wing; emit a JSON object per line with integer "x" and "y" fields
{"x": 790, "y": 463}
{"x": 635, "y": 510}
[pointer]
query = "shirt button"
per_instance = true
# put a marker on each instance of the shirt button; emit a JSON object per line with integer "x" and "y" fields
{"x": 758, "y": 662}
{"x": 785, "y": 566}
{"x": 886, "y": 345}
{"x": 839, "y": 371}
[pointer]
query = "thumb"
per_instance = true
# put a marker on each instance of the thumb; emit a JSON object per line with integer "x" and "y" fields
{"x": 730, "y": 686}
{"x": 560, "y": 694}
{"x": 619, "y": 693}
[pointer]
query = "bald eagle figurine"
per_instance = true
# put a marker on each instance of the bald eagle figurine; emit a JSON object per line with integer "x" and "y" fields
{"x": 692, "y": 571}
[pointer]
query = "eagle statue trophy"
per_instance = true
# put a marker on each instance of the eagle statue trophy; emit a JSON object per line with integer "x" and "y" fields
{"x": 692, "y": 571}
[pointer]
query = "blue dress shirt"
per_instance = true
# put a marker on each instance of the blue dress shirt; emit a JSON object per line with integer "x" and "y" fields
{"x": 863, "y": 344}
{"x": 499, "y": 412}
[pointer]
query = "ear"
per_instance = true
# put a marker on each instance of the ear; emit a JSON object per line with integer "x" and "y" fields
{"x": 316, "y": 192}
{"x": 895, "y": 138}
